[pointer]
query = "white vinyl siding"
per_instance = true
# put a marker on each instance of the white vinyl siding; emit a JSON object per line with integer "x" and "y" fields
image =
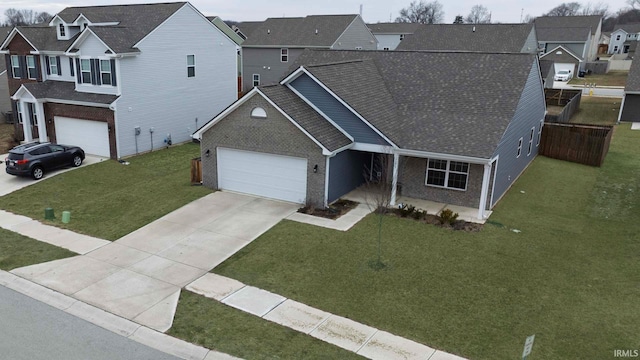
{"x": 93, "y": 50}
{"x": 191, "y": 65}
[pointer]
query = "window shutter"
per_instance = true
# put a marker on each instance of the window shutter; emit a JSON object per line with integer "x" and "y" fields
{"x": 71, "y": 66}
{"x": 78, "y": 72}
{"x": 22, "y": 61}
{"x": 47, "y": 63}
{"x": 58, "y": 65}
{"x": 113, "y": 72}
{"x": 93, "y": 71}
{"x": 7, "y": 58}
{"x": 14, "y": 107}
{"x": 36, "y": 60}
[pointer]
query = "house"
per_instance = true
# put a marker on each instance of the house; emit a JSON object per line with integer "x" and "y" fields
{"x": 623, "y": 38}
{"x": 5, "y": 101}
{"x": 118, "y": 80}
{"x": 237, "y": 37}
{"x": 273, "y": 45}
{"x": 389, "y": 35}
{"x": 473, "y": 37}
{"x": 630, "y": 107}
{"x": 310, "y": 138}
{"x": 578, "y": 34}
{"x": 563, "y": 59}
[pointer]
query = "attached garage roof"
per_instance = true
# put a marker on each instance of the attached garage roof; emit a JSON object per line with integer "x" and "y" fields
{"x": 62, "y": 90}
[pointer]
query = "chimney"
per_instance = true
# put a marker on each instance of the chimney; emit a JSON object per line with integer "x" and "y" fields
{"x": 360, "y": 10}
{"x": 474, "y": 28}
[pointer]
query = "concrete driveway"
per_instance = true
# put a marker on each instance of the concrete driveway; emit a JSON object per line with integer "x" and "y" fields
{"x": 10, "y": 183}
{"x": 139, "y": 276}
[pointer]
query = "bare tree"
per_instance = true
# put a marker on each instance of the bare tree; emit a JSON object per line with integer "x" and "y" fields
{"x": 635, "y": 4}
{"x": 23, "y": 17}
{"x": 479, "y": 15}
{"x": 459, "y": 19}
{"x": 422, "y": 12}
{"x": 565, "y": 9}
{"x": 594, "y": 9}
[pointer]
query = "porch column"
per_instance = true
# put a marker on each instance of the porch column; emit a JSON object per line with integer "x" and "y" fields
{"x": 42, "y": 123}
{"x": 394, "y": 182}
{"x": 26, "y": 127}
{"x": 485, "y": 190}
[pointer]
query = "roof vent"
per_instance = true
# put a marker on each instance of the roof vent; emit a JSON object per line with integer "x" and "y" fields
{"x": 316, "y": 31}
{"x": 474, "y": 29}
{"x": 268, "y": 31}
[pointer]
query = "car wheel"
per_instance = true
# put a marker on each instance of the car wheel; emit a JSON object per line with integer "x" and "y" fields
{"x": 77, "y": 160}
{"x": 37, "y": 172}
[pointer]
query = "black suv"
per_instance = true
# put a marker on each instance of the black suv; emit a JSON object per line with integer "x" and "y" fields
{"x": 33, "y": 159}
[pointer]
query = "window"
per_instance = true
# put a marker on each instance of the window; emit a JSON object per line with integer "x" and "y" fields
{"x": 191, "y": 65}
{"x": 32, "y": 70}
{"x": 62, "y": 30}
{"x": 519, "y": 147}
{"x": 71, "y": 71}
{"x": 401, "y": 37}
{"x": 256, "y": 80}
{"x": 19, "y": 113}
{"x": 447, "y": 174}
{"x": 85, "y": 71}
{"x": 618, "y": 37}
{"x": 15, "y": 66}
{"x": 540, "y": 132}
{"x": 615, "y": 49}
{"x": 56, "y": 148}
{"x": 53, "y": 65}
{"x": 533, "y": 130}
{"x": 284, "y": 55}
{"x": 258, "y": 112}
{"x": 105, "y": 72}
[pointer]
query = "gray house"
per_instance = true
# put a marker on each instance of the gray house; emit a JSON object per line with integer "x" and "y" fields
{"x": 473, "y": 37}
{"x": 273, "y": 45}
{"x": 389, "y": 35}
{"x": 310, "y": 138}
{"x": 624, "y": 38}
{"x": 578, "y": 34}
{"x": 630, "y": 108}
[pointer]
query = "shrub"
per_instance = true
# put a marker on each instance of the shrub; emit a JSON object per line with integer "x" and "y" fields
{"x": 406, "y": 210}
{"x": 448, "y": 217}
{"x": 419, "y": 214}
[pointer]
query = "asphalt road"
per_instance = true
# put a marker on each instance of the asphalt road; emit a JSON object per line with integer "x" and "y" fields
{"x": 31, "y": 330}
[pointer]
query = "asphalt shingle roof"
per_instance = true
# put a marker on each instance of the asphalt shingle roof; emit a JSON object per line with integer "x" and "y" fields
{"x": 63, "y": 90}
{"x": 428, "y": 101}
{"x": 633, "y": 79}
{"x": 322, "y": 130}
{"x": 469, "y": 37}
{"x": 631, "y": 28}
{"x": 247, "y": 27}
{"x": 589, "y": 21}
{"x": 576, "y": 34}
{"x": 393, "y": 28}
{"x": 299, "y": 32}
{"x": 44, "y": 38}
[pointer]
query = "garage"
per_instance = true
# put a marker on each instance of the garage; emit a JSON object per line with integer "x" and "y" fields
{"x": 91, "y": 136}
{"x": 268, "y": 175}
{"x": 565, "y": 66}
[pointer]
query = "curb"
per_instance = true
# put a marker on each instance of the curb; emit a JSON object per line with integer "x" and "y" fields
{"x": 111, "y": 322}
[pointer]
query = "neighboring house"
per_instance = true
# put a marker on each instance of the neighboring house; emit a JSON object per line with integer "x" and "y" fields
{"x": 473, "y": 37}
{"x": 122, "y": 79}
{"x": 310, "y": 138}
{"x": 630, "y": 108}
{"x": 389, "y": 35}
{"x": 624, "y": 38}
{"x": 5, "y": 100}
{"x": 578, "y": 34}
{"x": 603, "y": 44}
{"x": 563, "y": 59}
{"x": 273, "y": 45}
{"x": 237, "y": 37}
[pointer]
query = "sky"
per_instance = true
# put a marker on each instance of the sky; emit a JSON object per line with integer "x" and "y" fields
{"x": 505, "y": 11}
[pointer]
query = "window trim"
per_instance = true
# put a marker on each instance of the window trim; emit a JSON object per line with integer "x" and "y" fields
{"x": 447, "y": 171}
{"x": 83, "y": 71}
{"x": 254, "y": 80}
{"x": 62, "y": 30}
{"x": 15, "y": 65}
{"x": 519, "y": 148}
{"x": 284, "y": 55}
{"x": 540, "y": 132}
{"x": 105, "y": 72}
{"x": 29, "y": 68}
{"x": 53, "y": 63}
{"x": 19, "y": 113}
{"x": 530, "y": 147}
{"x": 193, "y": 66}
{"x": 33, "y": 113}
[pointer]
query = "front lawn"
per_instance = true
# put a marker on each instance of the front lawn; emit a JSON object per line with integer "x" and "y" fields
{"x": 18, "y": 251}
{"x": 569, "y": 276}
{"x": 597, "y": 110}
{"x": 109, "y": 200}
{"x": 612, "y": 78}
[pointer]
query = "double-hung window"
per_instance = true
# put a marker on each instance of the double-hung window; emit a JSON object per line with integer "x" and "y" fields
{"x": 53, "y": 65}
{"x": 85, "y": 71}
{"x": 284, "y": 55}
{"x": 519, "y": 148}
{"x": 191, "y": 65}
{"x": 32, "y": 70}
{"x": 19, "y": 113}
{"x": 533, "y": 130}
{"x": 62, "y": 30}
{"x": 15, "y": 66}
{"x": 256, "y": 80}
{"x": 105, "y": 72}
{"x": 447, "y": 174}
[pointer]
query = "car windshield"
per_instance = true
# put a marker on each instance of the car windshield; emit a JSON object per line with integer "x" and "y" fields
{"x": 563, "y": 72}
{"x": 14, "y": 156}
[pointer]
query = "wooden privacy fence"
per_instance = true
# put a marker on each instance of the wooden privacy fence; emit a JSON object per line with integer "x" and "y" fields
{"x": 569, "y": 100}
{"x": 579, "y": 143}
{"x": 196, "y": 171}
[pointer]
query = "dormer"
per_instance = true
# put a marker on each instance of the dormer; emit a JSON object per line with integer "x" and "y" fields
{"x": 64, "y": 31}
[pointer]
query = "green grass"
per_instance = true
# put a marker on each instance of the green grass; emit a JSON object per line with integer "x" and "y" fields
{"x": 18, "y": 251}
{"x": 597, "y": 111}
{"x": 612, "y": 78}
{"x": 109, "y": 200}
{"x": 571, "y": 276}
{"x": 216, "y": 326}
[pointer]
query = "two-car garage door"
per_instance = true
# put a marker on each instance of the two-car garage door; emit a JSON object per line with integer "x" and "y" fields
{"x": 268, "y": 175}
{"x": 91, "y": 136}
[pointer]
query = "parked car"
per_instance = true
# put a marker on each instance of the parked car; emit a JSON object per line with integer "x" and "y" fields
{"x": 34, "y": 159}
{"x": 563, "y": 75}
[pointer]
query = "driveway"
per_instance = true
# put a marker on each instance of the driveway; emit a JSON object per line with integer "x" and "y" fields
{"x": 10, "y": 183}
{"x": 139, "y": 276}
{"x": 597, "y": 91}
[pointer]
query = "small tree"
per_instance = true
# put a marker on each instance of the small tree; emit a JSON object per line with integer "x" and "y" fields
{"x": 422, "y": 12}
{"x": 478, "y": 15}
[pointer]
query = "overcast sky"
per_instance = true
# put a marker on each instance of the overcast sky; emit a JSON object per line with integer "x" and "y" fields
{"x": 373, "y": 10}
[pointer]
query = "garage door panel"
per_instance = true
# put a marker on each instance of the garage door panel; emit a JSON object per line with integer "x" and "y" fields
{"x": 91, "y": 136}
{"x": 268, "y": 175}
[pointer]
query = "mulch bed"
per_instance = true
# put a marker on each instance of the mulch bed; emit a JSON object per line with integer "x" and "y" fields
{"x": 437, "y": 221}
{"x": 334, "y": 211}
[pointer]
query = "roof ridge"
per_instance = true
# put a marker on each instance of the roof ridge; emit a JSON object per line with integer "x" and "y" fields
{"x": 337, "y": 63}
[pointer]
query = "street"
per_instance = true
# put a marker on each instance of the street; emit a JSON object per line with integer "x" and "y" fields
{"x": 31, "y": 330}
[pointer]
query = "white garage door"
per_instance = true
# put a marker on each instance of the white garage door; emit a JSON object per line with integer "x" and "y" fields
{"x": 565, "y": 66}
{"x": 272, "y": 176}
{"x": 91, "y": 136}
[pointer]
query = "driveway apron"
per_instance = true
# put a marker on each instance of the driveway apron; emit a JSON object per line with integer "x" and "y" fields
{"x": 139, "y": 276}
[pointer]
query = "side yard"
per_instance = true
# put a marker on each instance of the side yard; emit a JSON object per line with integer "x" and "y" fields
{"x": 109, "y": 200}
{"x": 612, "y": 78}
{"x": 597, "y": 110}
{"x": 559, "y": 258}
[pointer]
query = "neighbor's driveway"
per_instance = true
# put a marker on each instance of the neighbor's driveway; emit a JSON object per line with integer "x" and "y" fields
{"x": 10, "y": 183}
{"x": 139, "y": 276}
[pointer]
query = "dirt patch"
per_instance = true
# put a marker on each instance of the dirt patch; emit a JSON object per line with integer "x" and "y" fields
{"x": 7, "y": 140}
{"x": 554, "y": 109}
{"x": 332, "y": 212}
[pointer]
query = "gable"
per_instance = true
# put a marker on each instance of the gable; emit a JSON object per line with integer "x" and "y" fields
{"x": 91, "y": 45}
{"x": 19, "y": 45}
{"x": 560, "y": 55}
{"x": 357, "y": 34}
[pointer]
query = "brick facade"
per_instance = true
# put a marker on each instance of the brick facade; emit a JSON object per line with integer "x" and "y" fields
{"x": 19, "y": 46}
{"x": 274, "y": 135}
